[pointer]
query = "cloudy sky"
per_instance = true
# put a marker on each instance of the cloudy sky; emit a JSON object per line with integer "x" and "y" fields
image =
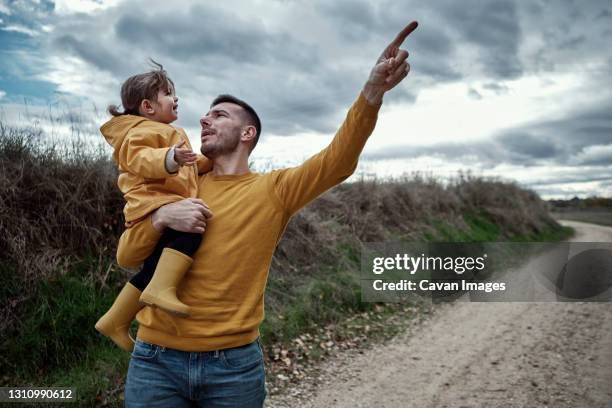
{"x": 515, "y": 89}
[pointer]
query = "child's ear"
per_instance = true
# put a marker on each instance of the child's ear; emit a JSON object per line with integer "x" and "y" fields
{"x": 146, "y": 107}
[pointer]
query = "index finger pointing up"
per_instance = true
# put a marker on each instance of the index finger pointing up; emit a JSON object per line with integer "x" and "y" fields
{"x": 404, "y": 33}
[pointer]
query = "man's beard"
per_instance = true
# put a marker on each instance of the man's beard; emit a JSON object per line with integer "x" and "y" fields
{"x": 223, "y": 145}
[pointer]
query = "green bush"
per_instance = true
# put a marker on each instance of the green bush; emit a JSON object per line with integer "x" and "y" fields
{"x": 55, "y": 323}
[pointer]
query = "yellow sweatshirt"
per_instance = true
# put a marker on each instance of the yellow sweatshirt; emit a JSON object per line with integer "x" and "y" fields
{"x": 140, "y": 148}
{"x": 226, "y": 283}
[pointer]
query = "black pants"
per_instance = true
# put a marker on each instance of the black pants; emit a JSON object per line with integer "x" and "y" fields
{"x": 184, "y": 242}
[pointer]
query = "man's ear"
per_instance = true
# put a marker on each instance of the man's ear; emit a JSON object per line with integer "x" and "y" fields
{"x": 146, "y": 107}
{"x": 248, "y": 133}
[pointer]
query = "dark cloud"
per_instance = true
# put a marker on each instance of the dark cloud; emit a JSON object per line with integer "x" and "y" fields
{"x": 366, "y": 22}
{"x": 604, "y": 15}
{"x": 527, "y": 145}
{"x": 202, "y": 34}
{"x": 100, "y": 56}
{"x": 565, "y": 35}
{"x": 597, "y": 154}
{"x": 572, "y": 43}
{"x": 432, "y": 58}
{"x": 579, "y": 131}
{"x": 494, "y": 28}
{"x": 432, "y": 47}
{"x": 210, "y": 34}
{"x": 599, "y": 160}
{"x": 357, "y": 19}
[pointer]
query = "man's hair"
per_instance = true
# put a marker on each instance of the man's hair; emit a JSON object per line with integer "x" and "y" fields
{"x": 139, "y": 87}
{"x": 251, "y": 116}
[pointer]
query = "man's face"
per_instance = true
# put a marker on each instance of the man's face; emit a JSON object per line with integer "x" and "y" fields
{"x": 221, "y": 128}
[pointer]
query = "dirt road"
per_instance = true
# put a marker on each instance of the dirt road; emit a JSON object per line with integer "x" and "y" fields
{"x": 481, "y": 355}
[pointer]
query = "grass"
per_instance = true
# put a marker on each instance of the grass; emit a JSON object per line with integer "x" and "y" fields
{"x": 98, "y": 377}
{"x": 479, "y": 229}
{"x": 57, "y": 341}
{"x": 55, "y": 326}
{"x": 329, "y": 298}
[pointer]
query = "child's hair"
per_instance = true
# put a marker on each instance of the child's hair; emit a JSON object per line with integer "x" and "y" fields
{"x": 140, "y": 87}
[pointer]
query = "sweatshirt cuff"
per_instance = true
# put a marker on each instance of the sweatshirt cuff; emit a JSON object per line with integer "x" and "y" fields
{"x": 171, "y": 164}
{"x": 364, "y": 107}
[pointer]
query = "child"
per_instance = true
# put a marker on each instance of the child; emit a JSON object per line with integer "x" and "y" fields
{"x": 156, "y": 167}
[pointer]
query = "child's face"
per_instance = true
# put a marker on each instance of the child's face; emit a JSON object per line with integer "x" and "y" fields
{"x": 166, "y": 106}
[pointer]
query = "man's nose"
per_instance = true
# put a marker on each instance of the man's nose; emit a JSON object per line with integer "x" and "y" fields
{"x": 175, "y": 98}
{"x": 204, "y": 122}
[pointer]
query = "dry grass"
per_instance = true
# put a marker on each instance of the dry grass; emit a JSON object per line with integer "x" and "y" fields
{"x": 370, "y": 211}
{"x": 59, "y": 204}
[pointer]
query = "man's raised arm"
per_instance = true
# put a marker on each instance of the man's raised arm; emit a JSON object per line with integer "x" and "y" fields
{"x": 299, "y": 185}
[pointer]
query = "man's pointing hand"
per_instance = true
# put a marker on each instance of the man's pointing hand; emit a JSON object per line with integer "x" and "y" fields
{"x": 391, "y": 67}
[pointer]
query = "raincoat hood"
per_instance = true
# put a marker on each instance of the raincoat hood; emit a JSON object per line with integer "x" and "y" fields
{"x": 116, "y": 129}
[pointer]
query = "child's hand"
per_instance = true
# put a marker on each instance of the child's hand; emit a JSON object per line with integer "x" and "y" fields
{"x": 183, "y": 155}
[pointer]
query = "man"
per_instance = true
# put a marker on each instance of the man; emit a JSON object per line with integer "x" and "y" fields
{"x": 213, "y": 358}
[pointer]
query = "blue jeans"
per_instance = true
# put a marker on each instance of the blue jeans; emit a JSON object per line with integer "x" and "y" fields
{"x": 163, "y": 377}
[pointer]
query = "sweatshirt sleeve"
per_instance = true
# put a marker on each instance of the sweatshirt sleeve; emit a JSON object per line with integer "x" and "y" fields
{"x": 297, "y": 186}
{"x": 144, "y": 153}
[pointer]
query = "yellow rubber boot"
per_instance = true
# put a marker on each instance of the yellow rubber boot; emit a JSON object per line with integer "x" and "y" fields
{"x": 116, "y": 322}
{"x": 161, "y": 291}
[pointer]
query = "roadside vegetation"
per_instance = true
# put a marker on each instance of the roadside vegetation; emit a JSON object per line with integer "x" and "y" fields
{"x": 61, "y": 215}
